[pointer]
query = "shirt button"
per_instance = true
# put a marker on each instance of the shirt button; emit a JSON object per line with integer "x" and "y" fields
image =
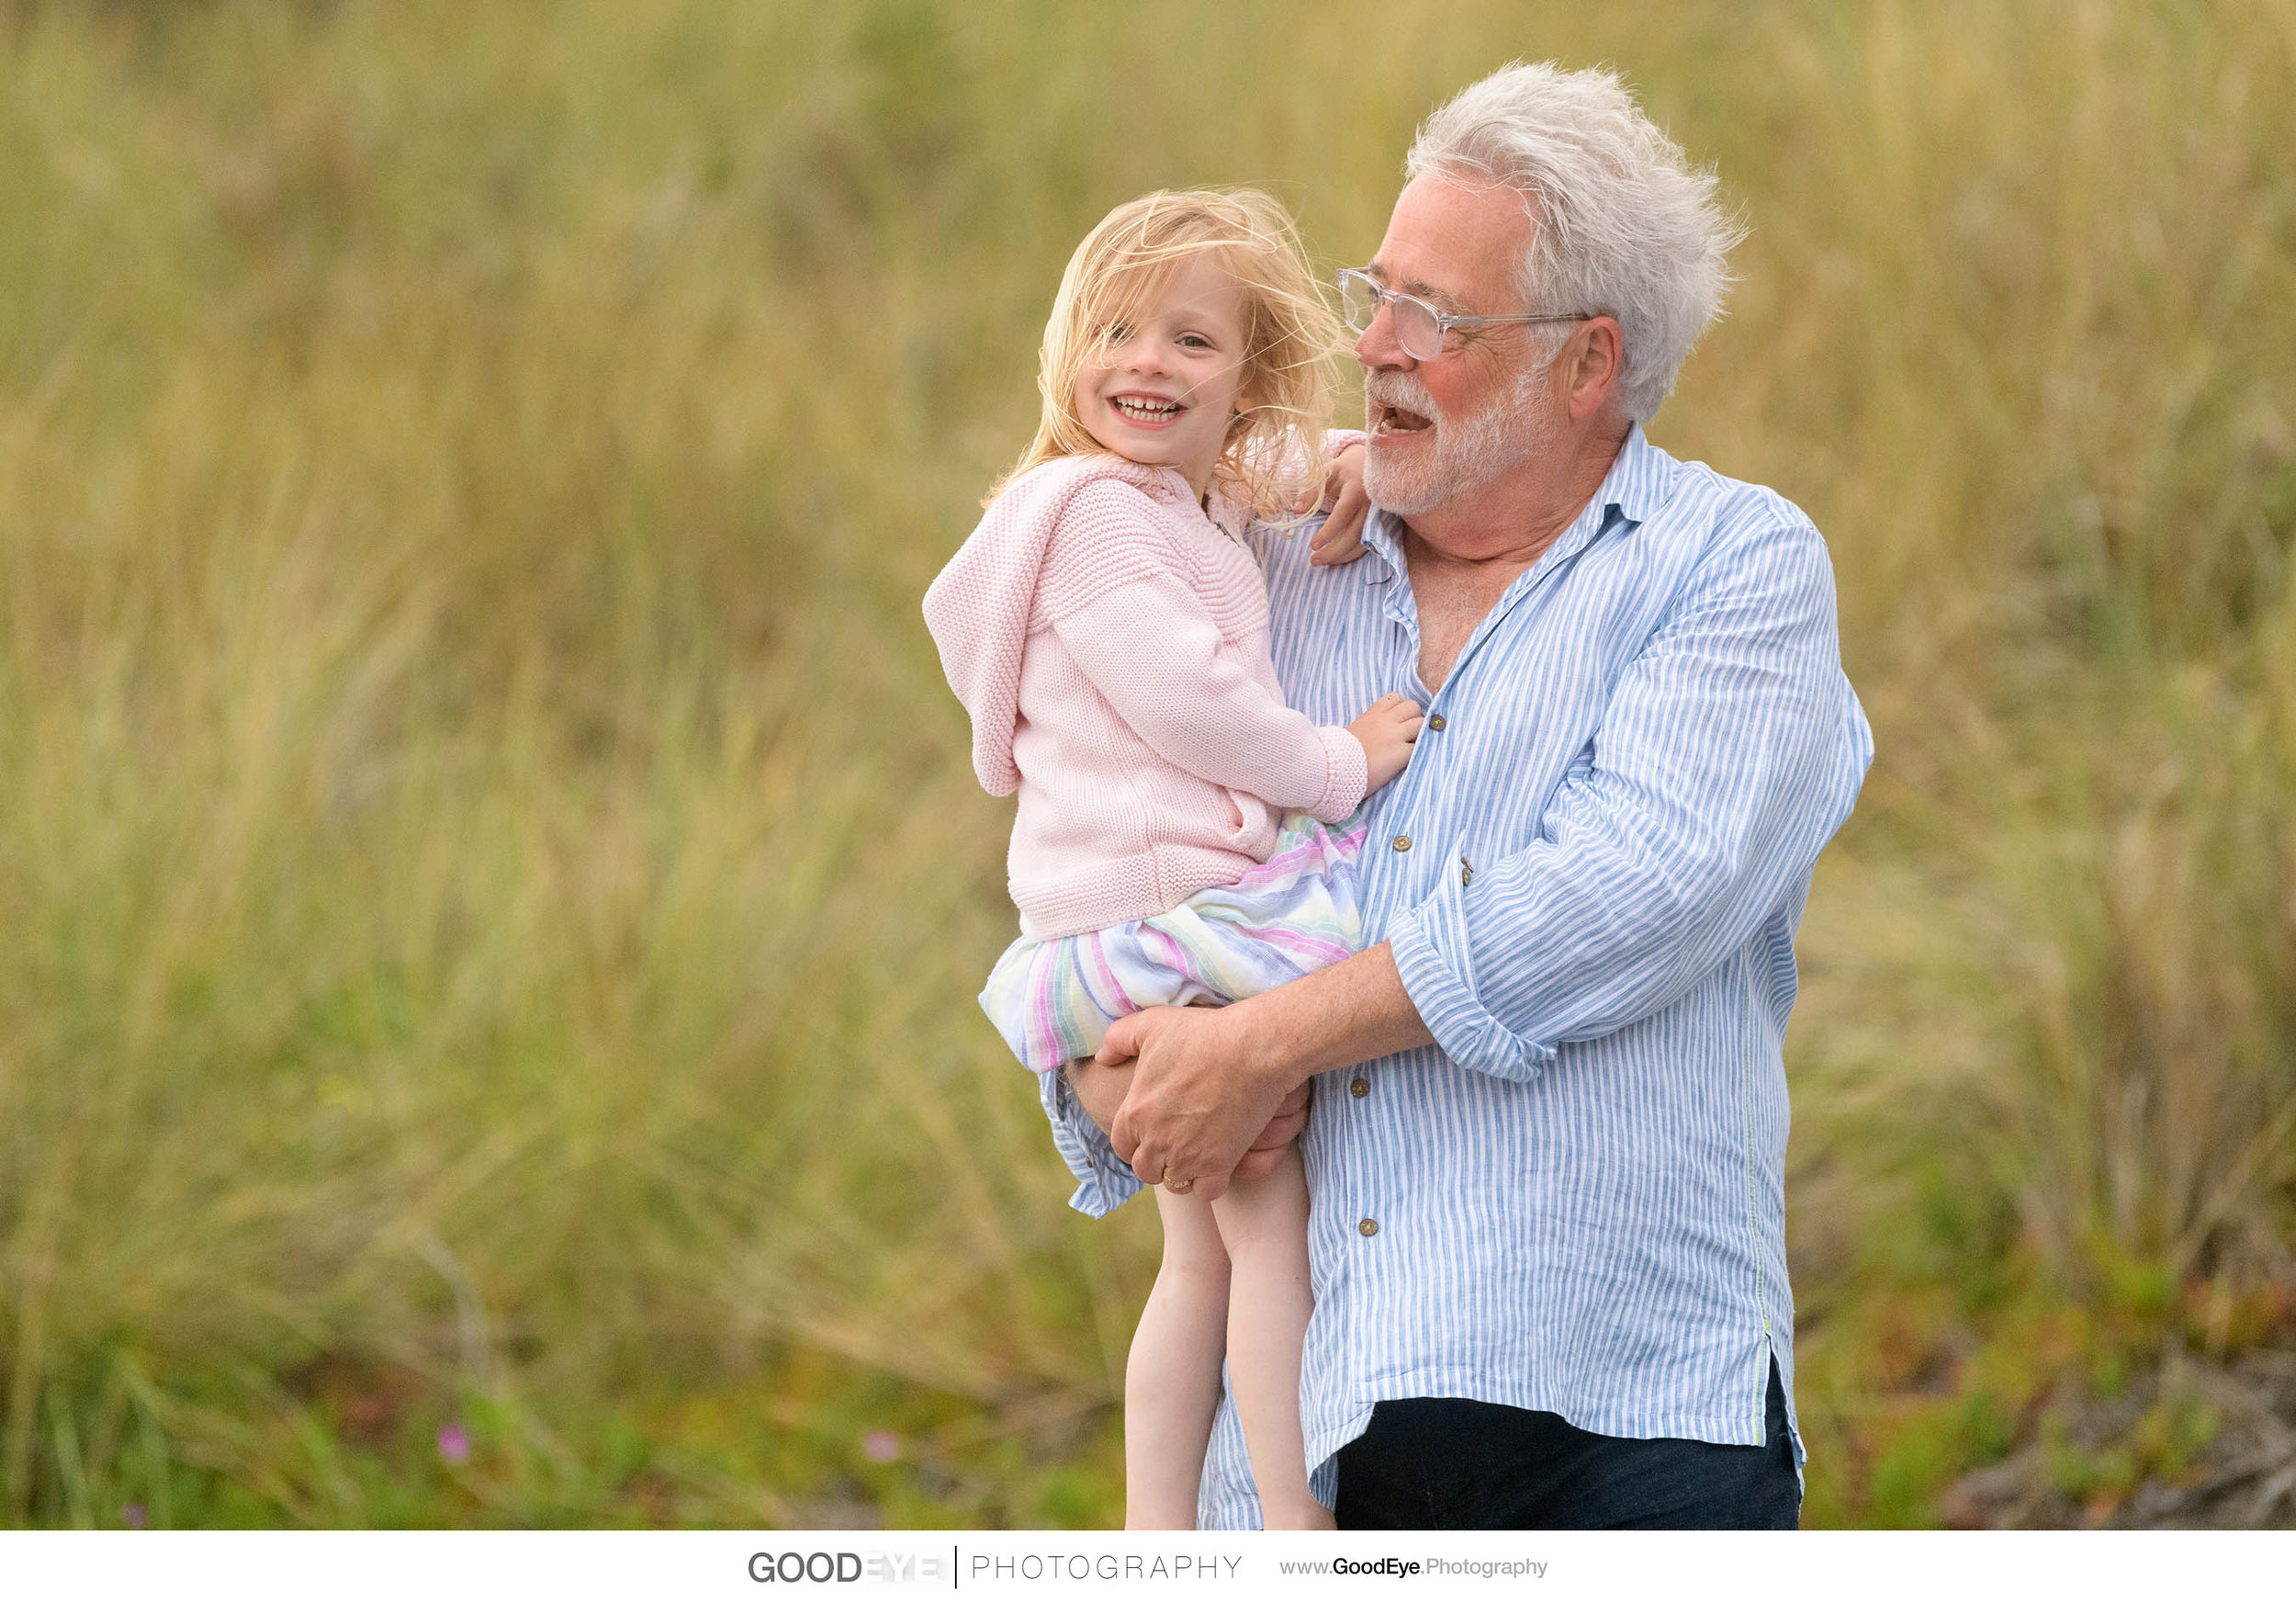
{"x": 1401, "y": 843}
{"x": 1436, "y": 723}
{"x": 1359, "y": 1089}
{"x": 1367, "y": 1228}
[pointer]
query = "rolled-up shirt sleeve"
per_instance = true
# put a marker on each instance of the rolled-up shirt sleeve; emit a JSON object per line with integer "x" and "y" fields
{"x": 1730, "y": 753}
{"x": 1104, "y": 1180}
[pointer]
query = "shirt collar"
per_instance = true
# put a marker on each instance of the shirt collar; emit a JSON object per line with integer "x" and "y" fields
{"x": 1640, "y": 478}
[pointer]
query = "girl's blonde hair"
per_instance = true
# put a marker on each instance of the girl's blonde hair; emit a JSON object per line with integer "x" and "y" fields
{"x": 1291, "y": 337}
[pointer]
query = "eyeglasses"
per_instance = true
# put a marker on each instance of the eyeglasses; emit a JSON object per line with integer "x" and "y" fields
{"x": 1419, "y": 327}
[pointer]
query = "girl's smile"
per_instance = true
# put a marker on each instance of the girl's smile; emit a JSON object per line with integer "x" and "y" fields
{"x": 1164, "y": 389}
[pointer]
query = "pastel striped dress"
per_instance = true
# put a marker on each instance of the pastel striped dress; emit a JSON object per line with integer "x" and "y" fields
{"x": 1182, "y": 836}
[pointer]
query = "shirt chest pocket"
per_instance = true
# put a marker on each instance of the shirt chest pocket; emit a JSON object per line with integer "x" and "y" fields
{"x": 1507, "y": 755}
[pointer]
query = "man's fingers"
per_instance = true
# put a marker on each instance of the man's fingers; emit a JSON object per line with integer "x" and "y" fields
{"x": 1121, "y": 1044}
{"x": 1146, "y": 1158}
{"x": 1123, "y": 1139}
{"x": 1281, "y": 1131}
{"x": 1290, "y": 1116}
{"x": 1180, "y": 1117}
{"x": 1277, "y": 1136}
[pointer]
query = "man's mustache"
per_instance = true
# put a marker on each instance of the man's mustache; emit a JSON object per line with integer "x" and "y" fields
{"x": 1401, "y": 391}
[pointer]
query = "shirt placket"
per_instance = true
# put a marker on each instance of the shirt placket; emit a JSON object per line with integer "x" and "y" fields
{"x": 1410, "y": 825}
{"x": 1356, "y": 1099}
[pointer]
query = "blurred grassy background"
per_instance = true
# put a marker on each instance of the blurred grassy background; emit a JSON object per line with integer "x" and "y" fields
{"x": 490, "y": 886}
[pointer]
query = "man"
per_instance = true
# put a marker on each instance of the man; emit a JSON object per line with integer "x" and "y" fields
{"x": 1547, "y": 1147}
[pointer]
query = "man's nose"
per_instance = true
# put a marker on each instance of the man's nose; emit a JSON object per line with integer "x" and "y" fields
{"x": 1377, "y": 346}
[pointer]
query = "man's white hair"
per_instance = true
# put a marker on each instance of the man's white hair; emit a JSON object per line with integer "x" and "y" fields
{"x": 1622, "y": 222}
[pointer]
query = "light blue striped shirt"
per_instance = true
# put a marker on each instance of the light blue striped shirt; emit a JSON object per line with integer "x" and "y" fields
{"x": 1575, "y": 1200}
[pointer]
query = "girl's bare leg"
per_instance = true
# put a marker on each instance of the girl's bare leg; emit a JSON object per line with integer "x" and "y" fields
{"x": 1263, "y": 1224}
{"x": 1172, "y": 1384}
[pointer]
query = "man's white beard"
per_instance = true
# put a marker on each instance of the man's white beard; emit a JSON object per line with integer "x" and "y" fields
{"x": 1468, "y": 451}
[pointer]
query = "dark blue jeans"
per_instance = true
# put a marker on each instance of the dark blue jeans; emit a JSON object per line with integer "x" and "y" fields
{"x": 1448, "y": 1463}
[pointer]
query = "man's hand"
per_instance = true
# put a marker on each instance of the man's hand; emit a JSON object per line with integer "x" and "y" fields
{"x": 1099, "y": 1090}
{"x": 1268, "y": 1145}
{"x": 1203, "y": 1080}
{"x": 1341, "y": 537}
{"x": 1198, "y": 1101}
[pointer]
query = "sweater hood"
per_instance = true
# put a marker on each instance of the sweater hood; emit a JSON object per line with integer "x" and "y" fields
{"x": 980, "y": 609}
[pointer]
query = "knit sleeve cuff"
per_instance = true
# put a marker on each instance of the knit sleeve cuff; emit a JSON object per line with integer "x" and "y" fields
{"x": 1347, "y": 774}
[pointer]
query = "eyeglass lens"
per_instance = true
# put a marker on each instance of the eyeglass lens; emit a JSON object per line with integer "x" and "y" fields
{"x": 1417, "y": 328}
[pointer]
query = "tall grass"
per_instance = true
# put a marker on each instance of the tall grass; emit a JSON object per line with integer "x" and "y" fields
{"x": 490, "y": 882}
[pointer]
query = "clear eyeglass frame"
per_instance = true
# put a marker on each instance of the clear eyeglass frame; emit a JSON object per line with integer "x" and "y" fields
{"x": 1419, "y": 328}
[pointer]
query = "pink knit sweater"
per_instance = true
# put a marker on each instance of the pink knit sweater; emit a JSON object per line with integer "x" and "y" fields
{"x": 1111, "y": 645}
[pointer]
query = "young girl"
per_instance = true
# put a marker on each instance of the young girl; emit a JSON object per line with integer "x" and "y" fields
{"x": 1107, "y": 631}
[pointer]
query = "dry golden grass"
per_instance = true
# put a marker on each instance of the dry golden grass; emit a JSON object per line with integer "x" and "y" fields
{"x": 490, "y": 882}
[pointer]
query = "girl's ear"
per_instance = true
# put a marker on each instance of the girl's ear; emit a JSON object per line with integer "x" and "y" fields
{"x": 1247, "y": 401}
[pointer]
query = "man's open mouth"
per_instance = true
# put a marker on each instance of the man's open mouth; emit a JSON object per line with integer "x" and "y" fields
{"x": 1388, "y": 419}
{"x": 1141, "y": 409}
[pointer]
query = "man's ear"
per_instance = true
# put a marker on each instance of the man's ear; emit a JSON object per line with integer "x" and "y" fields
{"x": 1592, "y": 364}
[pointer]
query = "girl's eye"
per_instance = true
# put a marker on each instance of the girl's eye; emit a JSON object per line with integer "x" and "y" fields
{"x": 1195, "y": 342}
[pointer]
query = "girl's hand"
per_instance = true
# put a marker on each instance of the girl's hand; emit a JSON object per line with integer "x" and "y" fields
{"x": 1341, "y": 537}
{"x": 1386, "y": 732}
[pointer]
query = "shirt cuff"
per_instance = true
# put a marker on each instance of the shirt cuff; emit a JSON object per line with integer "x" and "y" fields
{"x": 1433, "y": 955}
{"x": 1104, "y": 1180}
